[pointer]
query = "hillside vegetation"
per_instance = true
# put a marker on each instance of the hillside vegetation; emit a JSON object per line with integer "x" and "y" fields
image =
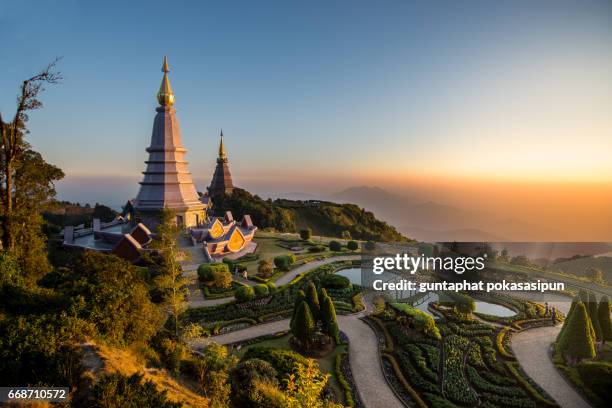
{"x": 324, "y": 218}
{"x": 580, "y": 266}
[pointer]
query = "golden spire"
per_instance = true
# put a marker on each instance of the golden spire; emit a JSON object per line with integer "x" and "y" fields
{"x": 165, "y": 96}
{"x": 222, "y": 154}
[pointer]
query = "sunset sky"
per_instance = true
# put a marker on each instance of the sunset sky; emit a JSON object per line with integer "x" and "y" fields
{"x": 318, "y": 96}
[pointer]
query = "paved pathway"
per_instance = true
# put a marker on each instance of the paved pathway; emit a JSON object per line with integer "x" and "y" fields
{"x": 286, "y": 278}
{"x": 531, "y": 348}
{"x": 363, "y": 354}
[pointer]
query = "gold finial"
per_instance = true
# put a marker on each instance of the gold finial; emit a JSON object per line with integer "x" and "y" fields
{"x": 165, "y": 96}
{"x": 222, "y": 154}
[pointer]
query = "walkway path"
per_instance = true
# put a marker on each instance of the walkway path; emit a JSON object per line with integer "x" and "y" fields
{"x": 288, "y": 277}
{"x": 197, "y": 300}
{"x": 363, "y": 354}
{"x": 531, "y": 348}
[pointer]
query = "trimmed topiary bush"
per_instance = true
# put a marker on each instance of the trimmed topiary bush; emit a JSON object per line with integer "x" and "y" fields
{"x": 352, "y": 245}
{"x": 205, "y": 271}
{"x": 316, "y": 248}
{"x": 284, "y": 262}
{"x": 333, "y": 281}
{"x": 335, "y": 246}
{"x": 271, "y": 287}
{"x": 603, "y": 314}
{"x": 305, "y": 234}
{"x": 244, "y": 294}
{"x": 216, "y": 275}
{"x": 261, "y": 290}
{"x": 578, "y": 340}
{"x": 303, "y": 324}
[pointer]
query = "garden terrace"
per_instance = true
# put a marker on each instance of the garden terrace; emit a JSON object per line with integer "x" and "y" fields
{"x": 277, "y": 305}
{"x": 465, "y": 368}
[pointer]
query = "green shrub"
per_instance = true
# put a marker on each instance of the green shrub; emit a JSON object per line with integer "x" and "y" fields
{"x": 352, "y": 245}
{"x": 597, "y": 376}
{"x": 244, "y": 378}
{"x": 284, "y": 361}
{"x": 244, "y": 294}
{"x": 370, "y": 246}
{"x": 334, "y": 281}
{"x": 117, "y": 390}
{"x": 205, "y": 271}
{"x": 316, "y": 248}
{"x": 422, "y": 321}
{"x": 335, "y": 246}
{"x": 271, "y": 287}
{"x": 284, "y": 262}
{"x": 305, "y": 234}
{"x": 463, "y": 303}
{"x": 261, "y": 290}
{"x": 578, "y": 340}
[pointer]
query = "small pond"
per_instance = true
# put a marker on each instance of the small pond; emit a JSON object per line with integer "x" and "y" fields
{"x": 421, "y": 300}
{"x": 493, "y": 309}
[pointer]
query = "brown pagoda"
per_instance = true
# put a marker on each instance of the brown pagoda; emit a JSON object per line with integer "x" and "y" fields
{"x": 222, "y": 179}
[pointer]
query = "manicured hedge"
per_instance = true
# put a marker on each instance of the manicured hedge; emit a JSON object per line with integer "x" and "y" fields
{"x": 261, "y": 290}
{"x": 334, "y": 281}
{"x": 316, "y": 248}
{"x": 244, "y": 294}
{"x": 284, "y": 262}
{"x": 421, "y": 320}
{"x": 463, "y": 303}
{"x": 205, "y": 271}
{"x": 335, "y": 246}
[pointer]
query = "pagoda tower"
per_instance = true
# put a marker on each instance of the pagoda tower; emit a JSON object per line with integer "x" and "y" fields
{"x": 222, "y": 179}
{"x": 167, "y": 182}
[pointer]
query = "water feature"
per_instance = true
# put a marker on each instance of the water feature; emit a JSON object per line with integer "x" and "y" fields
{"x": 493, "y": 309}
{"x": 421, "y": 300}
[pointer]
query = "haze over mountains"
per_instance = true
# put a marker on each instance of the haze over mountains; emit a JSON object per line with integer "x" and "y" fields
{"x": 430, "y": 221}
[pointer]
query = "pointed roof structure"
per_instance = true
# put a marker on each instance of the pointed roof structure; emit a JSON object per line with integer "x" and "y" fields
{"x": 167, "y": 182}
{"x": 222, "y": 179}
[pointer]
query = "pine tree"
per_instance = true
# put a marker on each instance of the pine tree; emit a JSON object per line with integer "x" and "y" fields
{"x": 328, "y": 319}
{"x": 303, "y": 324}
{"x": 603, "y": 314}
{"x": 577, "y": 340}
{"x": 313, "y": 301}
{"x": 301, "y": 296}
{"x": 322, "y": 293}
{"x": 567, "y": 318}
{"x": 592, "y": 311}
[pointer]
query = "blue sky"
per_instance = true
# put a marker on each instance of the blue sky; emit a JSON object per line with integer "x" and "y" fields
{"x": 356, "y": 92}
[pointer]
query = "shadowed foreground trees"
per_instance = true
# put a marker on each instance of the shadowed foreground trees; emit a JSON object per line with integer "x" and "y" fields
{"x": 14, "y": 150}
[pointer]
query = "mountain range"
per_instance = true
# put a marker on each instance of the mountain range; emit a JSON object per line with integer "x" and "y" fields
{"x": 430, "y": 221}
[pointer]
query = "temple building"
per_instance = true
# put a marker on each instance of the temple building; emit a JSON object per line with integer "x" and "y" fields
{"x": 167, "y": 182}
{"x": 167, "y": 185}
{"x": 222, "y": 179}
